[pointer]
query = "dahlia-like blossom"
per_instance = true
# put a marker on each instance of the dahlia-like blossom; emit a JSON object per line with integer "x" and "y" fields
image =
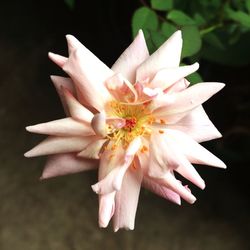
{"x": 138, "y": 123}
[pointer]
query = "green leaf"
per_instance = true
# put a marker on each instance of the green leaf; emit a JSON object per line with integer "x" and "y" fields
{"x": 213, "y": 40}
{"x": 167, "y": 29}
{"x": 162, "y": 4}
{"x": 191, "y": 40}
{"x": 238, "y": 16}
{"x": 70, "y": 3}
{"x": 180, "y": 18}
{"x": 157, "y": 38}
{"x": 194, "y": 78}
{"x": 145, "y": 19}
{"x": 248, "y": 5}
{"x": 199, "y": 19}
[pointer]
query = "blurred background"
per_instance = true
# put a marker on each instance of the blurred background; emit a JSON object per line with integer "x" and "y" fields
{"x": 61, "y": 213}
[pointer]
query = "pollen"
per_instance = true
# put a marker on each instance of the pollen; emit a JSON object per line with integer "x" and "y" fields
{"x": 137, "y": 122}
{"x": 161, "y": 131}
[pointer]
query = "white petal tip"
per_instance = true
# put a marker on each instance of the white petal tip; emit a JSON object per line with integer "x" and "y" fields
{"x": 28, "y": 154}
{"x": 103, "y": 224}
{"x": 95, "y": 188}
{"x": 192, "y": 201}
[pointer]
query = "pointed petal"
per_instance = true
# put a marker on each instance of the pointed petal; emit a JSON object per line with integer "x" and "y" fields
{"x": 106, "y": 208}
{"x": 193, "y": 150}
{"x": 65, "y": 82}
{"x": 62, "y": 127}
{"x": 197, "y": 125}
{"x": 175, "y": 106}
{"x": 92, "y": 151}
{"x": 64, "y": 164}
{"x": 167, "y": 56}
{"x": 160, "y": 190}
{"x": 170, "y": 182}
{"x": 77, "y": 110}
{"x": 132, "y": 57}
{"x": 88, "y": 73}
{"x": 126, "y": 200}
{"x": 57, "y": 59}
{"x": 168, "y": 76}
{"x": 57, "y": 145}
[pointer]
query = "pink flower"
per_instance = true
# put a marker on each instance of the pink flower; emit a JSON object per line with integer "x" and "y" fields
{"x": 139, "y": 121}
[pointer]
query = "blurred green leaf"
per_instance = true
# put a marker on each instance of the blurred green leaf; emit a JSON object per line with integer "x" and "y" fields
{"x": 145, "y": 19}
{"x": 248, "y": 5}
{"x": 162, "y": 4}
{"x": 168, "y": 29}
{"x": 157, "y": 38}
{"x": 191, "y": 40}
{"x": 213, "y": 40}
{"x": 180, "y": 18}
{"x": 238, "y": 16}
{"x": 194, "y": 78}
{"x": 70, "y": 3}
{"x": 199, "y": 19}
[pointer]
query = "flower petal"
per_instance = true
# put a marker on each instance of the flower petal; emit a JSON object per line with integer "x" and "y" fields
{"x": 98, "y": 124}
{"x": 126, "y": 199}
{"x": 170, "y": 182}
{"x": 165, "y": 155}
{"x": 57, "y": 59}
{"x": 197, "y": 125}
{"x": 121, "y": 89}
{"x": 106, "y": 208}
{"x": 63, "y": 164}
{"x": 168, "y": 76}
{"x": 82, "y": 66}
{"x": 92, "y": 151}
{"x": 175, "y": 106}
{"x": 65, "y": 82}
{"x": 167, "y": 56}
{"x": 77, "y": 110}
{"x": 161, "y": 190}
{"x": 117, "y": 162}
{"x": 62, "y": 127}
{"x": 132, "y": 57}
{"x": 193, "y": 150}
{"x": 57, "y": 145}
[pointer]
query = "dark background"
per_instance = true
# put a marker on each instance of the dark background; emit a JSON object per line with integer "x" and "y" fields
{"x": 61, "y": 213}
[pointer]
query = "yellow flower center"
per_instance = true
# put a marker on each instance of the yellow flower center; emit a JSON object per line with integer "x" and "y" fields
{"x": 137, "y": 120}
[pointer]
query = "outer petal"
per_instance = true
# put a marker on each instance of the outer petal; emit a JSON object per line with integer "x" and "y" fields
{"x": 126, "y": 199}
{"x": 132, "y": 57}
{"x": 106, "y": 208}
{"x": 57, "y": 145}
{"x": 193, "y": 150}
{"x": 169, "y": 157}
{"x": 175, "y": 106}
{"x": 65, "y": 82}
{"x": 76, "y": 109}
{"x": 57, "y": 59}
{"x": 88, "y": 73}
{"x": 167, "y": 56}
{"x": 62, "y": 127}
{"x": 63, "y": 164}
{"x": 170, "y": 182}
{"x": 161, "y": 190}
{"x": 168, "y": 76}
{"x": 197, "y": 125}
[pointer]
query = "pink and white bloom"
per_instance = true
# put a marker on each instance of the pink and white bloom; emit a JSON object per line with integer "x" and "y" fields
{"x": 138, "y": 123}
